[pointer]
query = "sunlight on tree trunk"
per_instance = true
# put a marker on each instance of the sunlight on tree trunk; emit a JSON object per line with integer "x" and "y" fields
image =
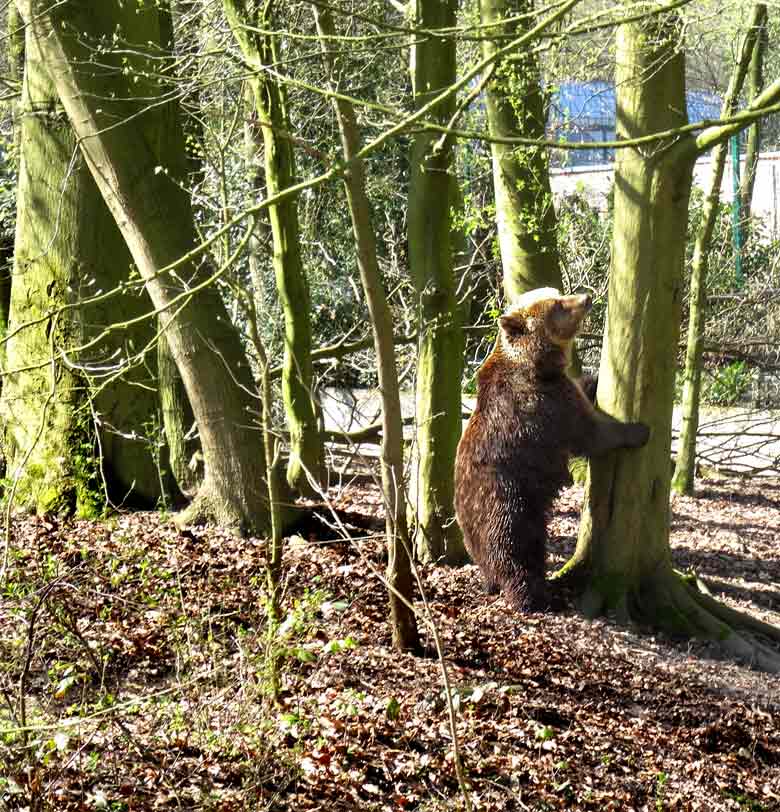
{"x": 399, "y": 567}
{"x": 11, "y": 107}
{"x": 440, "y": 333}
{"x": 623, "y": 554}
{"x": 252, "y": 25}
{"x": 181, "y": 451}
{"x": 525, "y": 213}
{"x": 685, "y": 464}
{"x": 108, "y": 110}
{"x": 525, "y": 210}
{"x": 625, "y": 525}
{"x": 67, "y": 249}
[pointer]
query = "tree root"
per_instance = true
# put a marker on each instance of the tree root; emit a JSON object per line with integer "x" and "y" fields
{"x": 681, "y": 605}
{"x": 677, "y": 604}
{"x": 234, "y": 513}
{"x": 733, "y": 631}
{"x": 206, "y": 508}
{"x": 728, "y": 615}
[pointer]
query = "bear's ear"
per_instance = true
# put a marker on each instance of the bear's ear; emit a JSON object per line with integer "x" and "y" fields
{"x": 513, "y": 324}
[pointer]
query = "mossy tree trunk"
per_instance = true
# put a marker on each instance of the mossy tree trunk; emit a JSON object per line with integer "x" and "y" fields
{"x": 110, "y": 112}
{"x": 685, "y": 463}
{"x": 180, "y": 453}
{"x": 55, "y": 403}
{"x": 11, "y": 107}
{"x": 253, "y": 23}
{"x": 623, "y": 551}
{"x": 525, "y": 214}
{"x": 439, "y": 325}
{"x": 525, "y": 210}
{"x": 399, "y": 568}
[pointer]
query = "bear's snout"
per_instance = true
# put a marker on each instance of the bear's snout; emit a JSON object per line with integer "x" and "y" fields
{"x": 580, "y": 301}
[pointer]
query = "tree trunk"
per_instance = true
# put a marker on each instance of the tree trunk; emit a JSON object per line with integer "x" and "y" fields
{"x": 623, "y": 551}
{"x": 525, "y": 210}
{"x": 685, "y": 464}
{"x": 399, "y": 568}
{"x": 755, "y": 86}
{"x": 628, "y": 491}
{"x": 525, "y": 213}
{"x": 68, "y": 246}
{"x": 15, "y": 45}
{"x": 440, "y": 333}
{"x": 109, "y": 112}
{"x": 178, "y": 422}
{"x": 247, "y": 19}
{"x": 181, "y": 450}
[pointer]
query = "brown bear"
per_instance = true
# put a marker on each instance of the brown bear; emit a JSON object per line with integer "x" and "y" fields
{"x": 513, "y": 457}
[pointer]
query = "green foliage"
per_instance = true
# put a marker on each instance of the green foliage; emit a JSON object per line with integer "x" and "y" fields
{"x": 727, "y": 385}
{"x": 90, "y": 501}
{"x": 544, "y": 733}
{"x": 744, "y": 800}
{"x": 660, "y": 788}
{"x": 393, "y": 709}
{"x": 294, "y": 640}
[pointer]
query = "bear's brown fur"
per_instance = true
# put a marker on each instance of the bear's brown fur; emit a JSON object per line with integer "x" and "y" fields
{"x": 513, "y": 457}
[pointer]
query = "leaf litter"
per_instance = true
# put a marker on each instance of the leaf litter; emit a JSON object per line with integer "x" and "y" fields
{"x": 142, "y": 657}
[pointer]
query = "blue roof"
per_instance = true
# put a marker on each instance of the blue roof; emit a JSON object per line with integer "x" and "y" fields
{"x": 591, "y": 105}
{"x": 703, "y": 104}
{"x": 585, "y": 111}
{"x": 583, "y": 105}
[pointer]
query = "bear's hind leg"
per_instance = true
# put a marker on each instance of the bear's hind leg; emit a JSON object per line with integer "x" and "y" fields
{"x": 528, "y": 594}
{"x": 490, "y": 585}
{"x": 524, "y": 583}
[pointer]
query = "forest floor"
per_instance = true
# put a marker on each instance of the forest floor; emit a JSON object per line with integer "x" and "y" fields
{"x": 134, "y": 675}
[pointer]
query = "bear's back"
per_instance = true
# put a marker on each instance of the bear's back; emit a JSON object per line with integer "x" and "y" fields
{"x": 519, "y": 430}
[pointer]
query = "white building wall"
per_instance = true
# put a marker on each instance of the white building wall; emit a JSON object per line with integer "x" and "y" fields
{"x": 595, "y": 183}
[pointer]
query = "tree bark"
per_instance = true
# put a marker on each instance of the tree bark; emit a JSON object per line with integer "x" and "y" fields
{"x": 15, "y": 45}
{"x": 110, "y": 114}
{"x": 178, "y": 422}
{"x": 627, "y": 496}
{"x": 181, "y": 450}
{"x": 440, "y": 333}
{"x": 685, "y": 463}
{"x": 68, "y": 247}
{"x": 399, "y": 568}
{"x": 525, "y": 213}
{"x": 247, "y": 19}
{"x": 623, "y": 552}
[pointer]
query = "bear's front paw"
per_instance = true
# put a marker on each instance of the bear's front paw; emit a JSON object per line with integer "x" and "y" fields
{"x": 589, "y": 384}
{"x": 638, "y": 434}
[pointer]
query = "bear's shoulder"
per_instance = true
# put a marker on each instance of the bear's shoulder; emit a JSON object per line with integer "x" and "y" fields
{"x": 521, "y": 374}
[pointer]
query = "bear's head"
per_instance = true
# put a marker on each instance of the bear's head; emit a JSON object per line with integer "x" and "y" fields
{"x": 543, "y": 321}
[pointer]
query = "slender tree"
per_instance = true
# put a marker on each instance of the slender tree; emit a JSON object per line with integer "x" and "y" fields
{"x": 440, "y": 333}
{"x": 623, "y": 548}
{"x": 399, "y": 567}
{"x": 759, "y": 22}
{"x": 110, "y": 109}
{"x": 253, "y": 24}
{"x": 685, "y": 464}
